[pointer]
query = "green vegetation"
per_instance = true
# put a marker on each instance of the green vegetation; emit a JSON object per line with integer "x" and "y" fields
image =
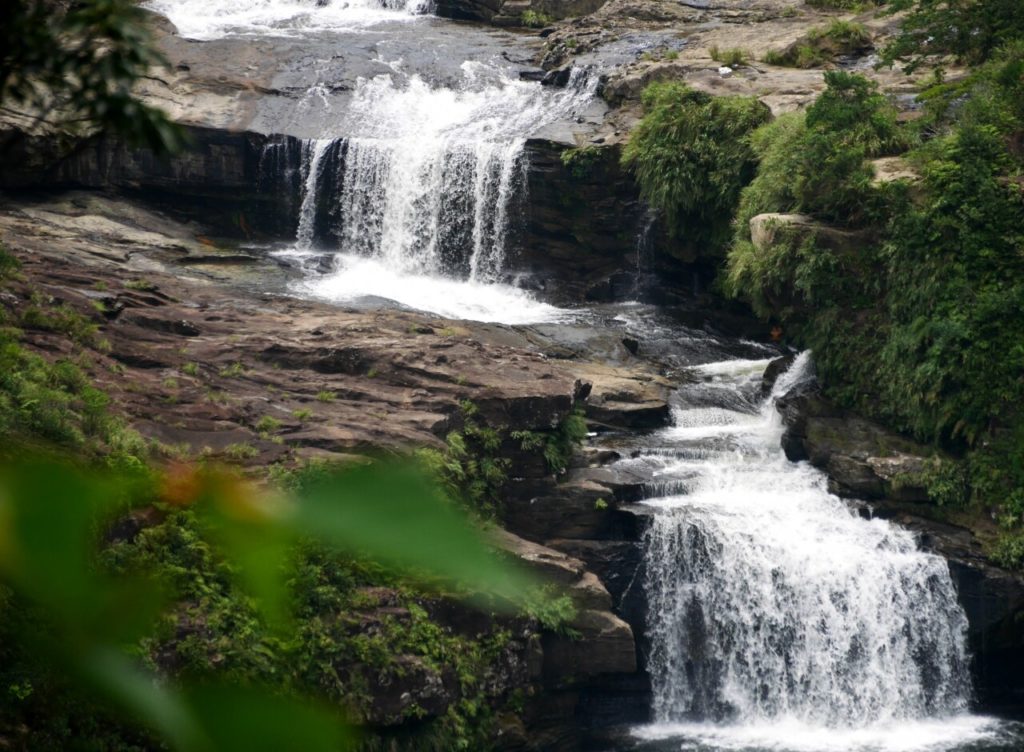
{"x": 559, "y": 445}
{"x": 141, "y": 285}
{"x": 190, "y": 369}
{"x": 534, "y": 19}
{"x": 912, "y": 299}
{"x": 470, "y": 467}
{"x": 733, "y": 57}
{"x": 55, "y": 402}
{"x": 239, "y": 610}
{"x": 582, "y": 161}
{"x": 76, "y": 67}
{"x": 233, "y": 371}
{"x": 267, "y": 424}
{"x": 660, "y": 53}
{"x": 554, "y": 611}
{"x": 691, "y": 157}
{"x": 325, "y": 395}
{"x": 967, "y": 31}
{"x": 241, "y": 451}
{"x": 822, "y": 45}
{"x": 44, "y": 314}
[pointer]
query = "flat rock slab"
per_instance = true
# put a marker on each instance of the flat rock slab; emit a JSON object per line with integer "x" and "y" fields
{"x": 212, "y": 367}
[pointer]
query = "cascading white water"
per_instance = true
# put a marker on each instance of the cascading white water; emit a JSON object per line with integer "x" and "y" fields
{"x": 769, "y": 601}
{"x": 203, "y": 19}
{"x": 429, "y": 173}
{"x": 421, "y": 189}
{"x": 312, "y": 163}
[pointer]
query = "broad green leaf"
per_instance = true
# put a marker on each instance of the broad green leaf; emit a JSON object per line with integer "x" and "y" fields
{"x": 393, "y": 514}
{"x": 255, "y": 720}
{"x": 138, "y": 694}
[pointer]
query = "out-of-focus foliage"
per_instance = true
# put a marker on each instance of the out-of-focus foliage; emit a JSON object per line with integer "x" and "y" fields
{"x": 54, "y": 521}
{"x": 77, "y": 67}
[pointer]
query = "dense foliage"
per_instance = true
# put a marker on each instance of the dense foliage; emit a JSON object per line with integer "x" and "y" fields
{"x": 910, "y": 294}
{"x": 691, "y": 157}
{"x": 968, "y": 30}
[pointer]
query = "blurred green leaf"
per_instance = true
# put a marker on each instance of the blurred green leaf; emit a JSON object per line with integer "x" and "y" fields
{"x": 255, "y": 720}
{"x": 258, "y": 554}
{"x": 52, "y": 512}
{"x": 395, "y": 515}
{"x": 53, "y": 519}
{"x": 157, "y": 707}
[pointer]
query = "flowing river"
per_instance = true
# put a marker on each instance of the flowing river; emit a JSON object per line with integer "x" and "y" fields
{"x": 778, "y": 619}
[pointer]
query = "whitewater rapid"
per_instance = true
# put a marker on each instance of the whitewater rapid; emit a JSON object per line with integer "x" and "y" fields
{"x": 777, "y": 617}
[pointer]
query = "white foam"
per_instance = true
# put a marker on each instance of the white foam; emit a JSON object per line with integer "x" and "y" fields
{"x": 358, "y": 278}
{"x": 213, "y": 19}
{"x": 774, "y": 606}
{"x": 786, "y": 735}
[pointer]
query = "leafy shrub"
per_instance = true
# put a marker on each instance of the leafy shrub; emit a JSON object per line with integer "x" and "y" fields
{"x": 470, "y": 467}
{"x": 691, "y": 156}
{"x": 535, "y": 19}
{"x": 917, "y": 324}
{"x": 733, "y": 57}
{"x": 557, "y": 446}
{"x": 970, "y": 32}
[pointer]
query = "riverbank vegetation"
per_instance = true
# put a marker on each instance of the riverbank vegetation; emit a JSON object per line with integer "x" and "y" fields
{"x": 909, "y": 291}
{"x": 893, "y": 247}
{"x": 691, "y": 157}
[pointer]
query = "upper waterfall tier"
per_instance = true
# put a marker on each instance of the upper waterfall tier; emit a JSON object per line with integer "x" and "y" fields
{"x": 427, "y": 177}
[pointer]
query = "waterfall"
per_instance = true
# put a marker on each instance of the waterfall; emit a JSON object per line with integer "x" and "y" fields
{"x": 313, "y": 152}
{"x": 429, "y": 176}
{"x": 768, "y": 598}
{"x": 644, "y": 251}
